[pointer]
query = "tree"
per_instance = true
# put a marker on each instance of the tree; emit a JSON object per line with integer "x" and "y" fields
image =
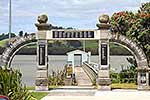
{"x": 74, "y": 43}
{"x": 2, "y": 36}
{"x": 20, "y": 33}
{"x": 6, "y": 36}
{"x": 135, "y": 26}
{"x": 145, "y": 8}
{"x": 25, "y": 34}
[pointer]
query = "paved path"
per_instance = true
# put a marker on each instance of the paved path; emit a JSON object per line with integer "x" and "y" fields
{"x": 93, "y": 94}
{"x": 81, "y": 77}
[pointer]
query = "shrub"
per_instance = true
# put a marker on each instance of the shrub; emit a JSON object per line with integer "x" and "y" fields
{"x": 57, "y": 78}
{"x": 11, "y": 86}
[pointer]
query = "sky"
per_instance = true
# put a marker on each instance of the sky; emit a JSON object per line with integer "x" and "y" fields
{"x": 80, "y": 14}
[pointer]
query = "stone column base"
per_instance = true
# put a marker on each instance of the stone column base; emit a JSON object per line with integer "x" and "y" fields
{"x": 143, "y": 88}
{"x": 104, "y": 88}
{"x": 41, "y": 88}
{"x": 104, "y": 84}
{"x": 41, "y": 84}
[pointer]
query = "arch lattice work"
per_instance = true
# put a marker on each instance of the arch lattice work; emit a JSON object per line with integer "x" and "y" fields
{"x": 19, "y": 43}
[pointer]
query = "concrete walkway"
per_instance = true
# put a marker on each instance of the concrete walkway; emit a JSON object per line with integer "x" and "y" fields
{"x": 81, "y": 77}
{"x": 97, "y": 95}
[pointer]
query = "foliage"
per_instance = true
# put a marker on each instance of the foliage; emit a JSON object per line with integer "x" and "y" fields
{"x": 11, "y": 86}
{"x": 136, "y": 26}
{"x": 145, "y": 8}
{"x": 20, "y": 34}
{"x": 74, "y": 43}
{"x": 6, "y": 36}
{"x": 57, "y": 78}
{"x": 128, "y": 75}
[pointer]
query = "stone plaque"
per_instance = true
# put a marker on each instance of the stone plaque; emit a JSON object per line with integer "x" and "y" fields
{"x": 143, "y": 78}
{"x": 72, "y": 34}
{"x": 104, "y": 54}
{"x": 41, "y": 54}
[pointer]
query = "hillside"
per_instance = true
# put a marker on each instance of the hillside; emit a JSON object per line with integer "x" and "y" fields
{"x": 3, "y": 42}
{"x": 62, "y": 47}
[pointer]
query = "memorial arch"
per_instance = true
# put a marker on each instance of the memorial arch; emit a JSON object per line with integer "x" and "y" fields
{"x": 13, "y": 48}
{"x": 139, "y": 55}
{"x": 102, "y": 34}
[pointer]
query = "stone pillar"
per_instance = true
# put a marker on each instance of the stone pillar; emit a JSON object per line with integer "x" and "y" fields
{"x": 104, "y": 80}
{"x": 41, "y": 82}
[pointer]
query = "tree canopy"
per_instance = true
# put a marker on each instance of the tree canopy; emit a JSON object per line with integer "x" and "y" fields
{"x": 136, "y": 26}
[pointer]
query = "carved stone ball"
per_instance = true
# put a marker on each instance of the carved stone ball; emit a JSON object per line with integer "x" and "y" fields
{"x": 103, "y": 18}
{"x": 42, "y": 19}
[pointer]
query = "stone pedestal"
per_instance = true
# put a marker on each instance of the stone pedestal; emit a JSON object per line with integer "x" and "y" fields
{"x": 104, "y": 80}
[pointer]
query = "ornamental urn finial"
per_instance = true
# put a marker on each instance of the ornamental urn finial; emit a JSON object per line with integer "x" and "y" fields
{"x": 104, "y": 22}
{"x": 104, "y": 18}
{"x": 42, "y": 23}
{"x": 42, "y": 19}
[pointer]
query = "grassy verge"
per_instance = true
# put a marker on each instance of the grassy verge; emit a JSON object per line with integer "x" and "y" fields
{"x": 50, "y": 87}
{"x": 53, "y": 87}
{"x": 124, "y": 86}
{"x": 38, "y": 95}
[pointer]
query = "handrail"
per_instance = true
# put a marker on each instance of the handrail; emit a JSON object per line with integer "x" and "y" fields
{"x": 90, "y": 71}
{"x": 95, "y": 71}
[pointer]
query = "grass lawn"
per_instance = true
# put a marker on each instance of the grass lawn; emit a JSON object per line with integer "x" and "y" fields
{"x": 38, "y": 95}
{"x": 50, "y": 87}
{"x": 124, "y": 86}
